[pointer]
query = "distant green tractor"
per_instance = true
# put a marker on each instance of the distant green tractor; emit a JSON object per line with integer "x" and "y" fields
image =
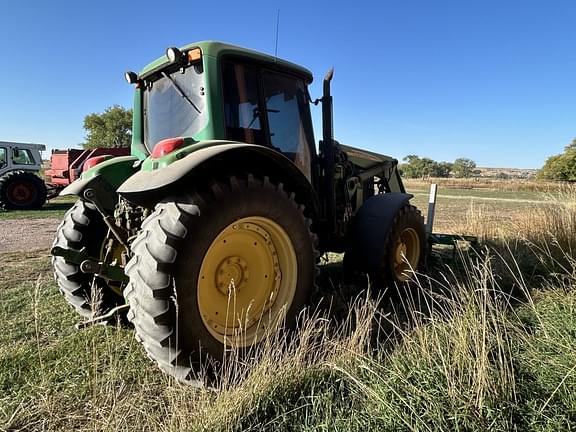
{"x": 212, "y": 230}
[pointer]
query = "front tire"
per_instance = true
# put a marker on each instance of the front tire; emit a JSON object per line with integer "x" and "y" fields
{"x": 404, "y": 249}
{"x": 221, "y": 270}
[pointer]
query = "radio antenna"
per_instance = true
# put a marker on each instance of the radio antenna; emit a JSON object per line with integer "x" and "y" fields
{"x": 277, "y": 27}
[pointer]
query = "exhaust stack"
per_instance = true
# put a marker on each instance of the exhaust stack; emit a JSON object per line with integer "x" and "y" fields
{"x": 327, "y": 149}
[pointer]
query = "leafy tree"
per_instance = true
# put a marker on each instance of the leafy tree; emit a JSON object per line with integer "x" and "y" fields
{"x": 443, "y": 169}
{"x": 571, "y": 146}
{"x": 464, "y": 168}
{"x": 112, "y": 128}
{"x": 561, "y": 166}
{"x": 417, "y": 167}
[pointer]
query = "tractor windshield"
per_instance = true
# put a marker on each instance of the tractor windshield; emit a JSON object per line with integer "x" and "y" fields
{"x": 174, "y": 105}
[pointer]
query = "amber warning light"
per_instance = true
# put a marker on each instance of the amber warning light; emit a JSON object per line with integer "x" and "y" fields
{"x": 194, "y": 55}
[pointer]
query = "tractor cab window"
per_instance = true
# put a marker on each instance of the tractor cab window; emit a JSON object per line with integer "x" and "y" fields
{"x": 241, "y": 111}
{"x": 269, "y": 109}
{"x": 22, "y": 157}
{"x": 174, "y": 105}
{"x": 286, "y": 106}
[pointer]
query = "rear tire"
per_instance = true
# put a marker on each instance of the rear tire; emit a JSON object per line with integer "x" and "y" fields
{"x": 21, "y": 190}
{"x": 83, "y": 227}
{"x": 242, "y": 253}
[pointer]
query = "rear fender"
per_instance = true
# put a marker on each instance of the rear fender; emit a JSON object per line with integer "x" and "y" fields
{"x": 370, "y": 227}
{"x": 146, "y": 188}
{"x": 94, "y": 188}
{"x": 103, "y": 179}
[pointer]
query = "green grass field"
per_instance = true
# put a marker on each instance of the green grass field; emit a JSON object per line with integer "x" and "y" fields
{"x": 54, "y": 208}
{"x": 486, "y": 342}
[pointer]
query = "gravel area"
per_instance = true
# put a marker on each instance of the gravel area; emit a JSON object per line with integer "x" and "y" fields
{"x": 27, "y": 234}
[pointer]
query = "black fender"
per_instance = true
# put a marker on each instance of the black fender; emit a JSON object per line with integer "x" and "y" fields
{"x": 92, "y": 188}
{"x": 146, "y": 188}
{"x": 367, "y": 235}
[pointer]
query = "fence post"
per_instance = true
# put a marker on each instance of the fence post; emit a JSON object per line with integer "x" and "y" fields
{"x": 431, "y": 208}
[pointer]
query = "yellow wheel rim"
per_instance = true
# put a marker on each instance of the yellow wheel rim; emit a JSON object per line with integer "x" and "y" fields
{"x": 406, "y": 254}
{"x": 247, "y": 280}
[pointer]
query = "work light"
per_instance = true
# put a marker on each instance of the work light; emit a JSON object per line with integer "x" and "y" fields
{"x": 174, "y": 55}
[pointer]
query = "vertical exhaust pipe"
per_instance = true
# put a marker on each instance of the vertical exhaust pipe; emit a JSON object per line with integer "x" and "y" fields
{"x": 327, "y": 149}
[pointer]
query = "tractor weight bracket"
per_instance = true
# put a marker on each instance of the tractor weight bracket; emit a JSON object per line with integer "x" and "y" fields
{"x": 90, "y": 265}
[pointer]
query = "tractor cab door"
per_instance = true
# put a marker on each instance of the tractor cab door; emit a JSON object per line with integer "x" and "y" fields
{"x": 269, "y": 108}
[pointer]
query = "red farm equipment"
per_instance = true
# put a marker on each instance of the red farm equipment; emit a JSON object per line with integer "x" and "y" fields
{"x": 66, "y": 166}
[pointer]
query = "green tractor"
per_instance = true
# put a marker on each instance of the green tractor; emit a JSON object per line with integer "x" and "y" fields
{"x": 210, "y": 233}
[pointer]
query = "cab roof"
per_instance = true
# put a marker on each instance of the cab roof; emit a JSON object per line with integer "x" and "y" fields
{"x": 31, "y": 146}
{"x": 216, "y": 49}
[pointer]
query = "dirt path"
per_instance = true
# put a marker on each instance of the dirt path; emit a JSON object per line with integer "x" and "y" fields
{"x": 27, "y": 234}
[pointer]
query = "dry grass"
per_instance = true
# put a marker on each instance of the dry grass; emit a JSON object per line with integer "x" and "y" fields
{"x": 512, "y": 185}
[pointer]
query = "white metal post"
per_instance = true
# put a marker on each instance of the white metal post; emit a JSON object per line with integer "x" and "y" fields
{"x": 431, "y": 207}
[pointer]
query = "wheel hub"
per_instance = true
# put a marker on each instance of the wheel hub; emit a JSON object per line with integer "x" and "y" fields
{"x": 247, "y": 268}
{"x": 400, "y": 252}
{"x": 21, "y": 192}
{"x": 232, "y": 274}
{"x": 407, "y": 254}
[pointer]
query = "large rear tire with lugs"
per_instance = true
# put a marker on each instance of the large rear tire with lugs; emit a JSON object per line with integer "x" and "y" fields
{"x": 218, "y": 270}
{"x": 83, "y": 227}
{"x": 21, "y": 190}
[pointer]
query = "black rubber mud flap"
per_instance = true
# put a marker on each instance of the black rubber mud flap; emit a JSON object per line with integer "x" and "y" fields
{"x": 106, "y": 194}
{"x": 370, "y": 227}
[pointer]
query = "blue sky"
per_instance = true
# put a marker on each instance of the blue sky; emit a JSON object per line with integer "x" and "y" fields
{"x": 490, "y": 80}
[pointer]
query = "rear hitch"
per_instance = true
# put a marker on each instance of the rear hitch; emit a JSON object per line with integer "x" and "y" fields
{"x": 91, "y": 265}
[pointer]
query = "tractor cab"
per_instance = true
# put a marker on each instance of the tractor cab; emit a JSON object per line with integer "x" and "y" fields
{"x": 212, "y": 91}
{"x": 20, "y": 156}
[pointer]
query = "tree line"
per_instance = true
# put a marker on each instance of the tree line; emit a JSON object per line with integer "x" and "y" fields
{"x": 422, "y": 167}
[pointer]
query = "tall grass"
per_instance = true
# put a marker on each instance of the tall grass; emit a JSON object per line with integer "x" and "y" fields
{"x": 540, "y": 241}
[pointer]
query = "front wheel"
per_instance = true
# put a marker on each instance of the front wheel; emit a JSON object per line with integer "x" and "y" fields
{"x": 218, "y": 271}
{"x": 404, "y": 249}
